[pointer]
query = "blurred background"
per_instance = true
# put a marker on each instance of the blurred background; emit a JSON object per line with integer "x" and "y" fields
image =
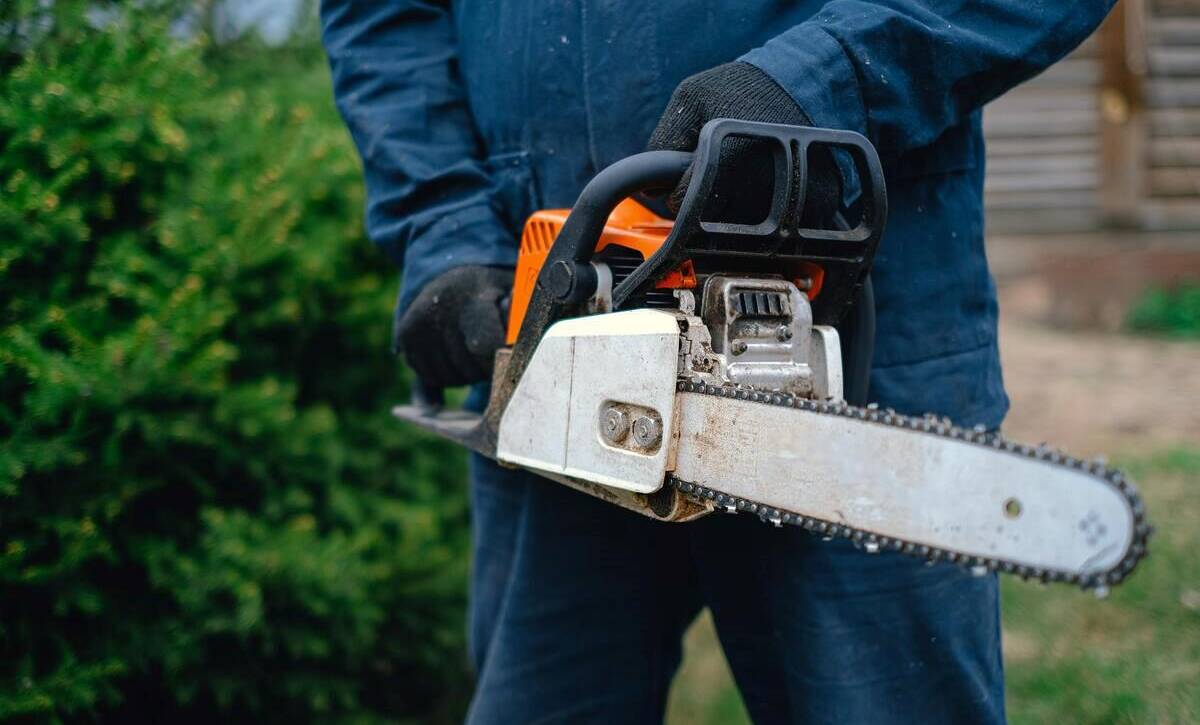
{"x": 206, "y": 511}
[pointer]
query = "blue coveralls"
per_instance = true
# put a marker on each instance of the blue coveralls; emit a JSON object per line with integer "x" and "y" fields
{"x": 469, "y": 115}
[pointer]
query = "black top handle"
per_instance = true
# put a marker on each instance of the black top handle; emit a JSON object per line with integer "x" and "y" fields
{"x": 844, "y": 254}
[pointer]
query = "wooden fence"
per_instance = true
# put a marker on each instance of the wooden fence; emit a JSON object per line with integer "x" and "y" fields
{"x": 1109, "y": 136}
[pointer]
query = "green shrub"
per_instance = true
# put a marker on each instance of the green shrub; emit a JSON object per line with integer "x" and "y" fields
{"x": 205, "y": 509}
{"x": 1172, "y": 312}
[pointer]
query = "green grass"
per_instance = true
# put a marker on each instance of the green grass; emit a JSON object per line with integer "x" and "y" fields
{"x": 1135, "y": 657}
{"x": 703, "y": 692}
{"x": 1170, "y": 312}
{"x": 1069, "y": 658}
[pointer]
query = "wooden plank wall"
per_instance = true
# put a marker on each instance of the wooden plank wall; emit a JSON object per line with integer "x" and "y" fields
{"x": 1043, "y": 149}
{"x": 1109, "y": 136}
{"x": 1172, "y": 192}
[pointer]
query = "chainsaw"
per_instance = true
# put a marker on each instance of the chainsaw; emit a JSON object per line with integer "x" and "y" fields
{"x": 683, "y": 368}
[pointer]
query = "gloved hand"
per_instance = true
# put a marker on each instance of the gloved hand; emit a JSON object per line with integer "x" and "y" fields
{"x": 450, "y": 333}
{"x": 742, "y": 193}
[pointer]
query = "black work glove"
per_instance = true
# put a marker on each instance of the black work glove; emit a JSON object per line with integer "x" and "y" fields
{"x": 450, "y": 333}
{"x": 742, "y": 193}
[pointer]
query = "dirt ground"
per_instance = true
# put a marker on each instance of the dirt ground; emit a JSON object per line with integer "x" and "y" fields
{"x": 1089, "y": 392}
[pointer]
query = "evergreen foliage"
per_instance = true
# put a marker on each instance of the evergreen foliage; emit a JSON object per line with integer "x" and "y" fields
{"x": 205, "y": 509}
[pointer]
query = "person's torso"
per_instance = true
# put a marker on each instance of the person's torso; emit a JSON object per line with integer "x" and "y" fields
{"x": 559, "y": 90}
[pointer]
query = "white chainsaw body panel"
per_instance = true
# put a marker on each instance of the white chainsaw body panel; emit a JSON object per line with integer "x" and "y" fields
{"x": 825, "y": 357}
{"x": 582, "y": 367}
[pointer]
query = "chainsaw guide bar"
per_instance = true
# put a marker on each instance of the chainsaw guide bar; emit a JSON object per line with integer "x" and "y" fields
{"x": 1098, "y": 581}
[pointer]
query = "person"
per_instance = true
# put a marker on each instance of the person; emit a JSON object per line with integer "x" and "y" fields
{"x": 471, "y": 115}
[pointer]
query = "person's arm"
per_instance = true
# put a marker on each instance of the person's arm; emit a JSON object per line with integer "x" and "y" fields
{"x": 396, "y": 84}
{"x": 902, "y": 72}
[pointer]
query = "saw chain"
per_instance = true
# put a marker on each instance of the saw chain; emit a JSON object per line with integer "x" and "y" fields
{"x": 1097, "y": 582}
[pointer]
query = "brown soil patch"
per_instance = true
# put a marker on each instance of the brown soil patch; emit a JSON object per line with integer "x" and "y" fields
{"x": 1094, "y": 392}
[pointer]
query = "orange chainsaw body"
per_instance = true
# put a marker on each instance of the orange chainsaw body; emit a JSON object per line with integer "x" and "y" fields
{"x": 631, "y": 226}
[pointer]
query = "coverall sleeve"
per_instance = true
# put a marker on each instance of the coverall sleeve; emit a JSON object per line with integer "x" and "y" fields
{"x": 902, "y": 72}
{"x": 396, "y": 84}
